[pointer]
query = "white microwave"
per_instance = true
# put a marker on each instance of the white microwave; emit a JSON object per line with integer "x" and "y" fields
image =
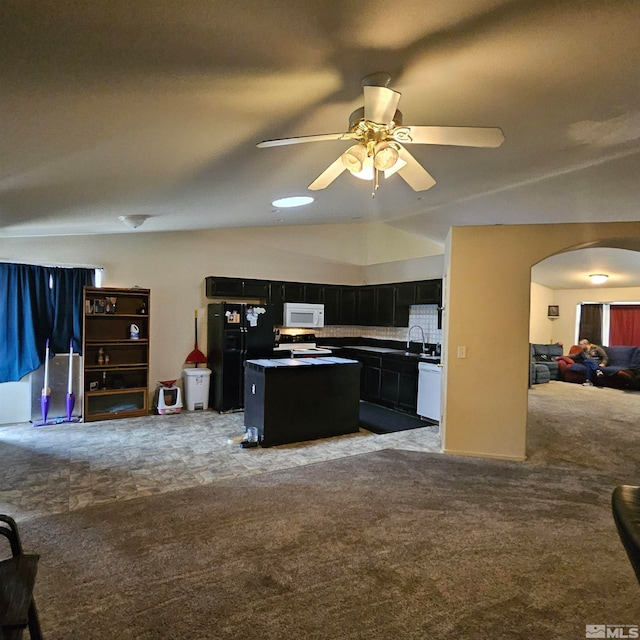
{"x": 303, "y": 315}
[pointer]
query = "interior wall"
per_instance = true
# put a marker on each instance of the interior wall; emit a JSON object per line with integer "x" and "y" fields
{"x": 541, "y": 328}
{"x": 488, "y": 275}
{"x": 426, "y": 268}
{"x": 174, "y": 266}
{"x": 387, "y": 244}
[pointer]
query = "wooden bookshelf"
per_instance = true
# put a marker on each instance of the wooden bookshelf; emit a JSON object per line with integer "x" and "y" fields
{"x": 116, "y": 366}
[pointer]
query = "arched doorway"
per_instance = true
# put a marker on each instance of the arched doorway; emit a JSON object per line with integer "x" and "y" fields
{"x": 566, "y": 423}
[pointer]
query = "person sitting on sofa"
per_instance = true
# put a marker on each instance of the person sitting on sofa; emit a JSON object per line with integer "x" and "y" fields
{"x": 593, "y": 358}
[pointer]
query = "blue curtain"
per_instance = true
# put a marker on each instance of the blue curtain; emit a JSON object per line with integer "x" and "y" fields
{"x": 67, "y": 307}
{"x": 36, "y": 304}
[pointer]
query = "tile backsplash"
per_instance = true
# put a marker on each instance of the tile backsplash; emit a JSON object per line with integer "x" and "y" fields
{"x": 424, "y": 315}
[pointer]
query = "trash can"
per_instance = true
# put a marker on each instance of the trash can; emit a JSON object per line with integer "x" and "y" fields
{"x": 195, "y": 383}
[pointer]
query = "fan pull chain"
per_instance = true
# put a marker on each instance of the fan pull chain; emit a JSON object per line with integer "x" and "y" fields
{"x": 376, "y": 184}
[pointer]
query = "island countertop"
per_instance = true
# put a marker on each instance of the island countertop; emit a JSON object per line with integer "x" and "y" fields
{"x": 270, "y": 363}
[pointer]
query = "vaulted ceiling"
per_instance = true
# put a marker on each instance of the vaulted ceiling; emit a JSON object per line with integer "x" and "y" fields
{"x": 155, "y": 108}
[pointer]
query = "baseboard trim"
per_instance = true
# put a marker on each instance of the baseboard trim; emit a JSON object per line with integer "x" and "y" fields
{"x": 478, "y": 454}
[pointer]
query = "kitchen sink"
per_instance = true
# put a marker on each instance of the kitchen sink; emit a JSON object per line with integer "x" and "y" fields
{"x": 374, "y": 349}
{"x": 423, "y": 356}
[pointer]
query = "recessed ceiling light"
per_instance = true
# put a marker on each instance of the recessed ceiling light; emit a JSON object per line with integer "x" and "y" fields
{"x": 293, "y": 201}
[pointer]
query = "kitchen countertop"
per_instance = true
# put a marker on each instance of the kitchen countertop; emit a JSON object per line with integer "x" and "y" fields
{"x": 279, "y": 363}
{"x": 399, "y": 353}
{"x": 373, "y": 349}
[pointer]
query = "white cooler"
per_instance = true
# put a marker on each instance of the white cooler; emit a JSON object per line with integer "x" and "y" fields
{"x": 195, "y": 383}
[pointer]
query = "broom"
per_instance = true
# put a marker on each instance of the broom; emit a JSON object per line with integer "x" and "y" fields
{"x": 196, "y": 356}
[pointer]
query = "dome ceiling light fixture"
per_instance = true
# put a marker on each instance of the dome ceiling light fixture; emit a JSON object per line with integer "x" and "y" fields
{"x": 380, "y": 138}
{"x": 133, "y": 221}
{"x": 598, "y": 278}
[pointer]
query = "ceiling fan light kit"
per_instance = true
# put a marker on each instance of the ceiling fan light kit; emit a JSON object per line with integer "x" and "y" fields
{"x": 385, "y": 156}
{"x": 380, "y": 135}
{"x": 353, "y": 158}
{"x": 367, "y": 171}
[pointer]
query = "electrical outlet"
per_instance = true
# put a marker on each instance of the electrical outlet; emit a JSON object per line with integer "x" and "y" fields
{"x": 462, "y": 352}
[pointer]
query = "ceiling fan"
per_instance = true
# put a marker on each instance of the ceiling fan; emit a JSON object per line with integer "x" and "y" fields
{"x": 379, "y": 137}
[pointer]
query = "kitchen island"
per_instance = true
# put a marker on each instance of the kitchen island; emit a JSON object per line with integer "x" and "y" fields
{"x": 297, "y": 399}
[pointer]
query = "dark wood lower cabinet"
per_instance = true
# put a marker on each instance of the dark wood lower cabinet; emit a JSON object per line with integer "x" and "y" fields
{"x": 293, "y": 401}
{"x": 389, "y": 388}
{"x": 408, "y": 392}
{"x": 373, "y": 382}
{"x": 399, "y": 390}
{"x": 389, "y": 381}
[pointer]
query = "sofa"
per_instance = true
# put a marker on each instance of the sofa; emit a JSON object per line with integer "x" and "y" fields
{"x": 544, "y": 365}
{"x": 622, "y": 370}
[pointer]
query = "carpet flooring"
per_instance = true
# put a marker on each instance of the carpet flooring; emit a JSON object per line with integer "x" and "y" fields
{"x": 387, "y": 544}
{"x": 591, "y": 428}
{"x": 379, "y": 419}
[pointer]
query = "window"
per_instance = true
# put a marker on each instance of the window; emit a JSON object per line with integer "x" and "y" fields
{"x": 609, "y": 324}
{"x": 624, "y": 324}
{"x": 38, "y": 304}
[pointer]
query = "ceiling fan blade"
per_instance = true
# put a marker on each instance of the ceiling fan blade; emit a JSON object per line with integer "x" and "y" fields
{"x": 317, "y": 138}
{"x": 457, "y": 136}
{"x": 380, "y": 104}
{"x": 328, "y": 175}
{"x": 414, "y": 174}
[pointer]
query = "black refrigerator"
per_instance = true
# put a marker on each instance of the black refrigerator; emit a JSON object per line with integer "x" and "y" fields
{"x": 235, "y": 332}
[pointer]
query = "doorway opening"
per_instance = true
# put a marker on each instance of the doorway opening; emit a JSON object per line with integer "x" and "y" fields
{"x": 567, "y": 422}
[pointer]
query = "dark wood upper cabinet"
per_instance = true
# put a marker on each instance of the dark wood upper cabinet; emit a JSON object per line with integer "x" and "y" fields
{"x": 276, "y": 298}
{"x": 349, "y": 305}
{"x": 293, "y": 291}
{"x": 276, "y": 293}
{"x": 296, "y": 292}
{"x": 314, "y": 293}
{"x": 428, "y": 292}
{"x": 384, "y": 305}
{"x": 405, "y": 293}
{"x": 366, "y": 314}
{"x": 217, "y": 287}
{"x": 223, "y": 287}
{"x": 332, "y": 300}
{"x": 255, "y": 289}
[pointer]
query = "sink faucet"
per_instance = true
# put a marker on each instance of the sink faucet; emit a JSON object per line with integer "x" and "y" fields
{"x": 416, "y": 326}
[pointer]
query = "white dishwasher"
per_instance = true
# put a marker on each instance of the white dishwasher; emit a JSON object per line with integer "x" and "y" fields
{"x": 429, "y": 384}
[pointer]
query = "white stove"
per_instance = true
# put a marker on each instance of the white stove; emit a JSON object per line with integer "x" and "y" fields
{"x": 303, "y": 349}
